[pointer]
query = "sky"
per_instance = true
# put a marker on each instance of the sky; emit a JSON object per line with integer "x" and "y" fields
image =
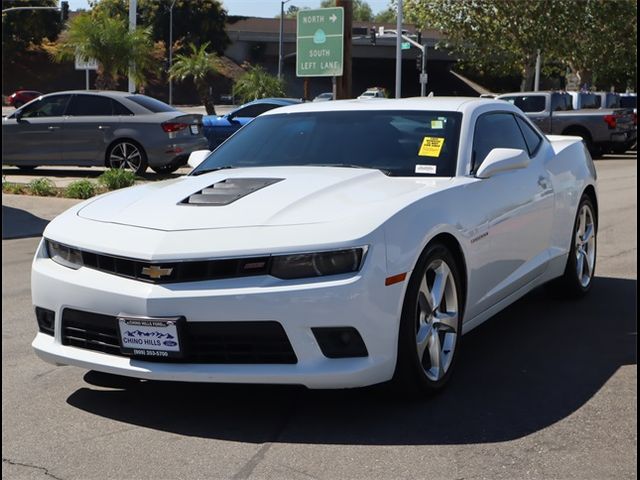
{"x": 257, "y": 8}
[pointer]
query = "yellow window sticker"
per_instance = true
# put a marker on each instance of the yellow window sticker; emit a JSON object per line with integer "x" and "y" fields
{"x": 437, "y": 124}
{"x": 431, "y": 146}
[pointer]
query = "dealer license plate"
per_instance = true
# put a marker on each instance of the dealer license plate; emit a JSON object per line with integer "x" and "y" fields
{"x": 150, "y": 337}
{"x": 194, "y": 129}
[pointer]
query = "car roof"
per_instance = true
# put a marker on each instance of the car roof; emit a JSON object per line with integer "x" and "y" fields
{"x": 277, "y": 100}
{"x": 452, "y": 104}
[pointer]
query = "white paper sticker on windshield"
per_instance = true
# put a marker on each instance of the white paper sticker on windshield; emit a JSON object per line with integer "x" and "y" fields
{"x": 436, "y": 124}
{"x": 425, "y": 169}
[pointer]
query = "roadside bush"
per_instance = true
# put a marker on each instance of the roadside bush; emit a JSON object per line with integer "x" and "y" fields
{"x": 15, "y": 188}
{"x": 115, "y": 178}
{"x": 43, "y": 187}
{"x": 80, "y": 189}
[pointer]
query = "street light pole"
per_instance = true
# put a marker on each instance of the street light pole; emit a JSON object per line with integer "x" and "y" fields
{"x": 133, "y": 7}
{"x": 280, "y": 55}
{"x": 399, "y": 51}
{"x": 171, "y": 50}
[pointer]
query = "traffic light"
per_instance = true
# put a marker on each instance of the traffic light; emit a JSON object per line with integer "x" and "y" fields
{"x": 372, "y": 35}
{"x": 64, "y": 11}
{"x": 419, "y": 62}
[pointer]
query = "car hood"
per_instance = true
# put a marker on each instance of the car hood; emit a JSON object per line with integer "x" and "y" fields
{"x": 269, "y": 196}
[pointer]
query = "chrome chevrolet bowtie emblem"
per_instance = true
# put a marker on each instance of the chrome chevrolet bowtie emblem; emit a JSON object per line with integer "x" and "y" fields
{"x": 156, "y": 272}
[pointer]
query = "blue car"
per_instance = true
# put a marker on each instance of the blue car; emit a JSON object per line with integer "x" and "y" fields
{"x": 218, "y": 128}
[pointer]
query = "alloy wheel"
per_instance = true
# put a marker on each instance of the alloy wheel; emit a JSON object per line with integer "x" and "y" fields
{"x": 125, "y": 155}
{"x": 585, "y": 246}
{"x": 437, "y": 319}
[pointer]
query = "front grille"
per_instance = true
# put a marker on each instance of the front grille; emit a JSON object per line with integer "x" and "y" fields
{"x": 203, "y": 342}
{"x": 172, "y": 272}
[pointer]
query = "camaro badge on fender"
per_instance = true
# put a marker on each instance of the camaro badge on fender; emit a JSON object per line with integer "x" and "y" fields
{"x": 156, "y": 272}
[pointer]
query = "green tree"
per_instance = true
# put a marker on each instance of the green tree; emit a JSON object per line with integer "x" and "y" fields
{"x": 600, "y": 44}
{"x": 199, "y": 64}
{"x": 258, "y": 83}
{"x": 503, "y": 37}
{"x": 386, "y": 16}
{"x": 194, "y": 21}
{"x": 108, "y": 40}
{"x": 361, "y": 9}
{"x": 23, "y": 27}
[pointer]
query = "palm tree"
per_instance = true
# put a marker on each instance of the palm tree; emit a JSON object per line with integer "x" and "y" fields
{"x": 199, "y": 64}
{"x": 109, "y": 41}
{"x": 258, "y": 83}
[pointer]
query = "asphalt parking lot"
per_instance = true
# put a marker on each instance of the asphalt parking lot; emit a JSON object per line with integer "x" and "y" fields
{"x": 545, "y": 389}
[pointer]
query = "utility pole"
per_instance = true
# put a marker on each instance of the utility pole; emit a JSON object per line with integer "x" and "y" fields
{"x": 536, "y": 82}
{"x": 171, "y": 50}
{"x": 343, "y": 83}
{"x": 280, "y": 49}
{"x": 133, "y": 8}
{"x": 399, "y": 51}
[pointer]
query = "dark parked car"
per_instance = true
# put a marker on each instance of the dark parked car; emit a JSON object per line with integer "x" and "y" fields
{"x": 218, "y": 128}
{"x": 115, "y": 129}
{"x": 20, "y": 97}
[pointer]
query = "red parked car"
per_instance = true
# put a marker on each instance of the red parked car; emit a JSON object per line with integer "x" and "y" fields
{"x": 20, "y": 97}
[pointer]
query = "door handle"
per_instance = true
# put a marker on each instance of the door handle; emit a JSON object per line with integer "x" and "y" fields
{"x": 53, "y": 127}
{"x": 103, "y": 127}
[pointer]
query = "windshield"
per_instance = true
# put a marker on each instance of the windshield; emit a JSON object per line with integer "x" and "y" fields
{"x": 401, "y": 143}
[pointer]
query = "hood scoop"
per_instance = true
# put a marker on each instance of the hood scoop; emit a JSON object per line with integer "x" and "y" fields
{"x": 228, "y": 191}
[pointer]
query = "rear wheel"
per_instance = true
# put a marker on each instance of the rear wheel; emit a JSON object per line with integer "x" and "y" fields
{"x": 431, "y": 323}
{"x": 581, "y": 264}
{"x": 127, "y": 155}
{"x": 17, "y": 104}
{"x": 26, "y": 168}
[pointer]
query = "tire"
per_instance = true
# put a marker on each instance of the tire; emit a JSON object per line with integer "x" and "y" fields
{"x": 26, "y": 168}
{"x": 581, "y": 264}
{"x": 128, "y": 155}
{"x": 17, "y": 104}
{"x": 428, "y": 342}
{"x": 619, "y": 150}
{"x": 165, "y": 169}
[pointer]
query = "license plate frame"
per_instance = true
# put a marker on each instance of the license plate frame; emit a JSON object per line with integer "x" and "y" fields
{"x": 151, "y": 337}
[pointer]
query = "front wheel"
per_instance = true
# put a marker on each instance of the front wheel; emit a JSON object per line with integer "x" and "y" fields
{"x": 127, "y": 155}
{"x": 431, "y": 323}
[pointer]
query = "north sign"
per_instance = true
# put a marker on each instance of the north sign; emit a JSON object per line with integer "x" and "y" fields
{"x": 319, "y": 42}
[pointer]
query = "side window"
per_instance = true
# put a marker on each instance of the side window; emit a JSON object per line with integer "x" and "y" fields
{"x": 531, "y": 137}
{"x": 527, "y": 103}
{"x": 88, "y": 105}
{"x": 560, "y": 102}
{"x": 495, "y": 130}
{"x": 53, "y": 106}
{"x": 119, "y": 109}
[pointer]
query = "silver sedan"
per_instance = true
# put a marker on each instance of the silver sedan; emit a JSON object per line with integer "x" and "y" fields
{"x": 91, "y": 128}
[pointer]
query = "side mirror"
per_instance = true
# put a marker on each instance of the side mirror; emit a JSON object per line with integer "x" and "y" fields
{"x": 197, "y": 157}
{"x": 232, "y": 118}
{"x": 502, "y": 160}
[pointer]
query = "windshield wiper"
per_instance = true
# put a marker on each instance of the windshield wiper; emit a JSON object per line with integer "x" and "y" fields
{"x": 348, "y": 165}
{"x": 213, "y": 169}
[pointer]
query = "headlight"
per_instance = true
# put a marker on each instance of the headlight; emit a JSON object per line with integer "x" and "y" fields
{"x": 317, "y": 264}
{"x": 67, "y": 256}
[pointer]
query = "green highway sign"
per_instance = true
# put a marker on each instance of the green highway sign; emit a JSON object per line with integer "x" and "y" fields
{"x": 319, "y": 44}
{"x": 405, "y": 46}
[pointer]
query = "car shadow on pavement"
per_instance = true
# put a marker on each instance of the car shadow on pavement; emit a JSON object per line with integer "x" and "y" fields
{"x": 17, "y": 223}
{"x": 530, "y": 366}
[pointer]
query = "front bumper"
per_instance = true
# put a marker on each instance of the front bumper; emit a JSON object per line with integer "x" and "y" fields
{"x": 361, "y": 301}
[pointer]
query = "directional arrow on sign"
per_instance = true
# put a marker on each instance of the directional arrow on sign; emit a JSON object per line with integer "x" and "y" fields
{"x": 333, "y": 18}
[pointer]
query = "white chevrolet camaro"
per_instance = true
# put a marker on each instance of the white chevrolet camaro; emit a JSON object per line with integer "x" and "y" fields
{"x": 333, "y": 245}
